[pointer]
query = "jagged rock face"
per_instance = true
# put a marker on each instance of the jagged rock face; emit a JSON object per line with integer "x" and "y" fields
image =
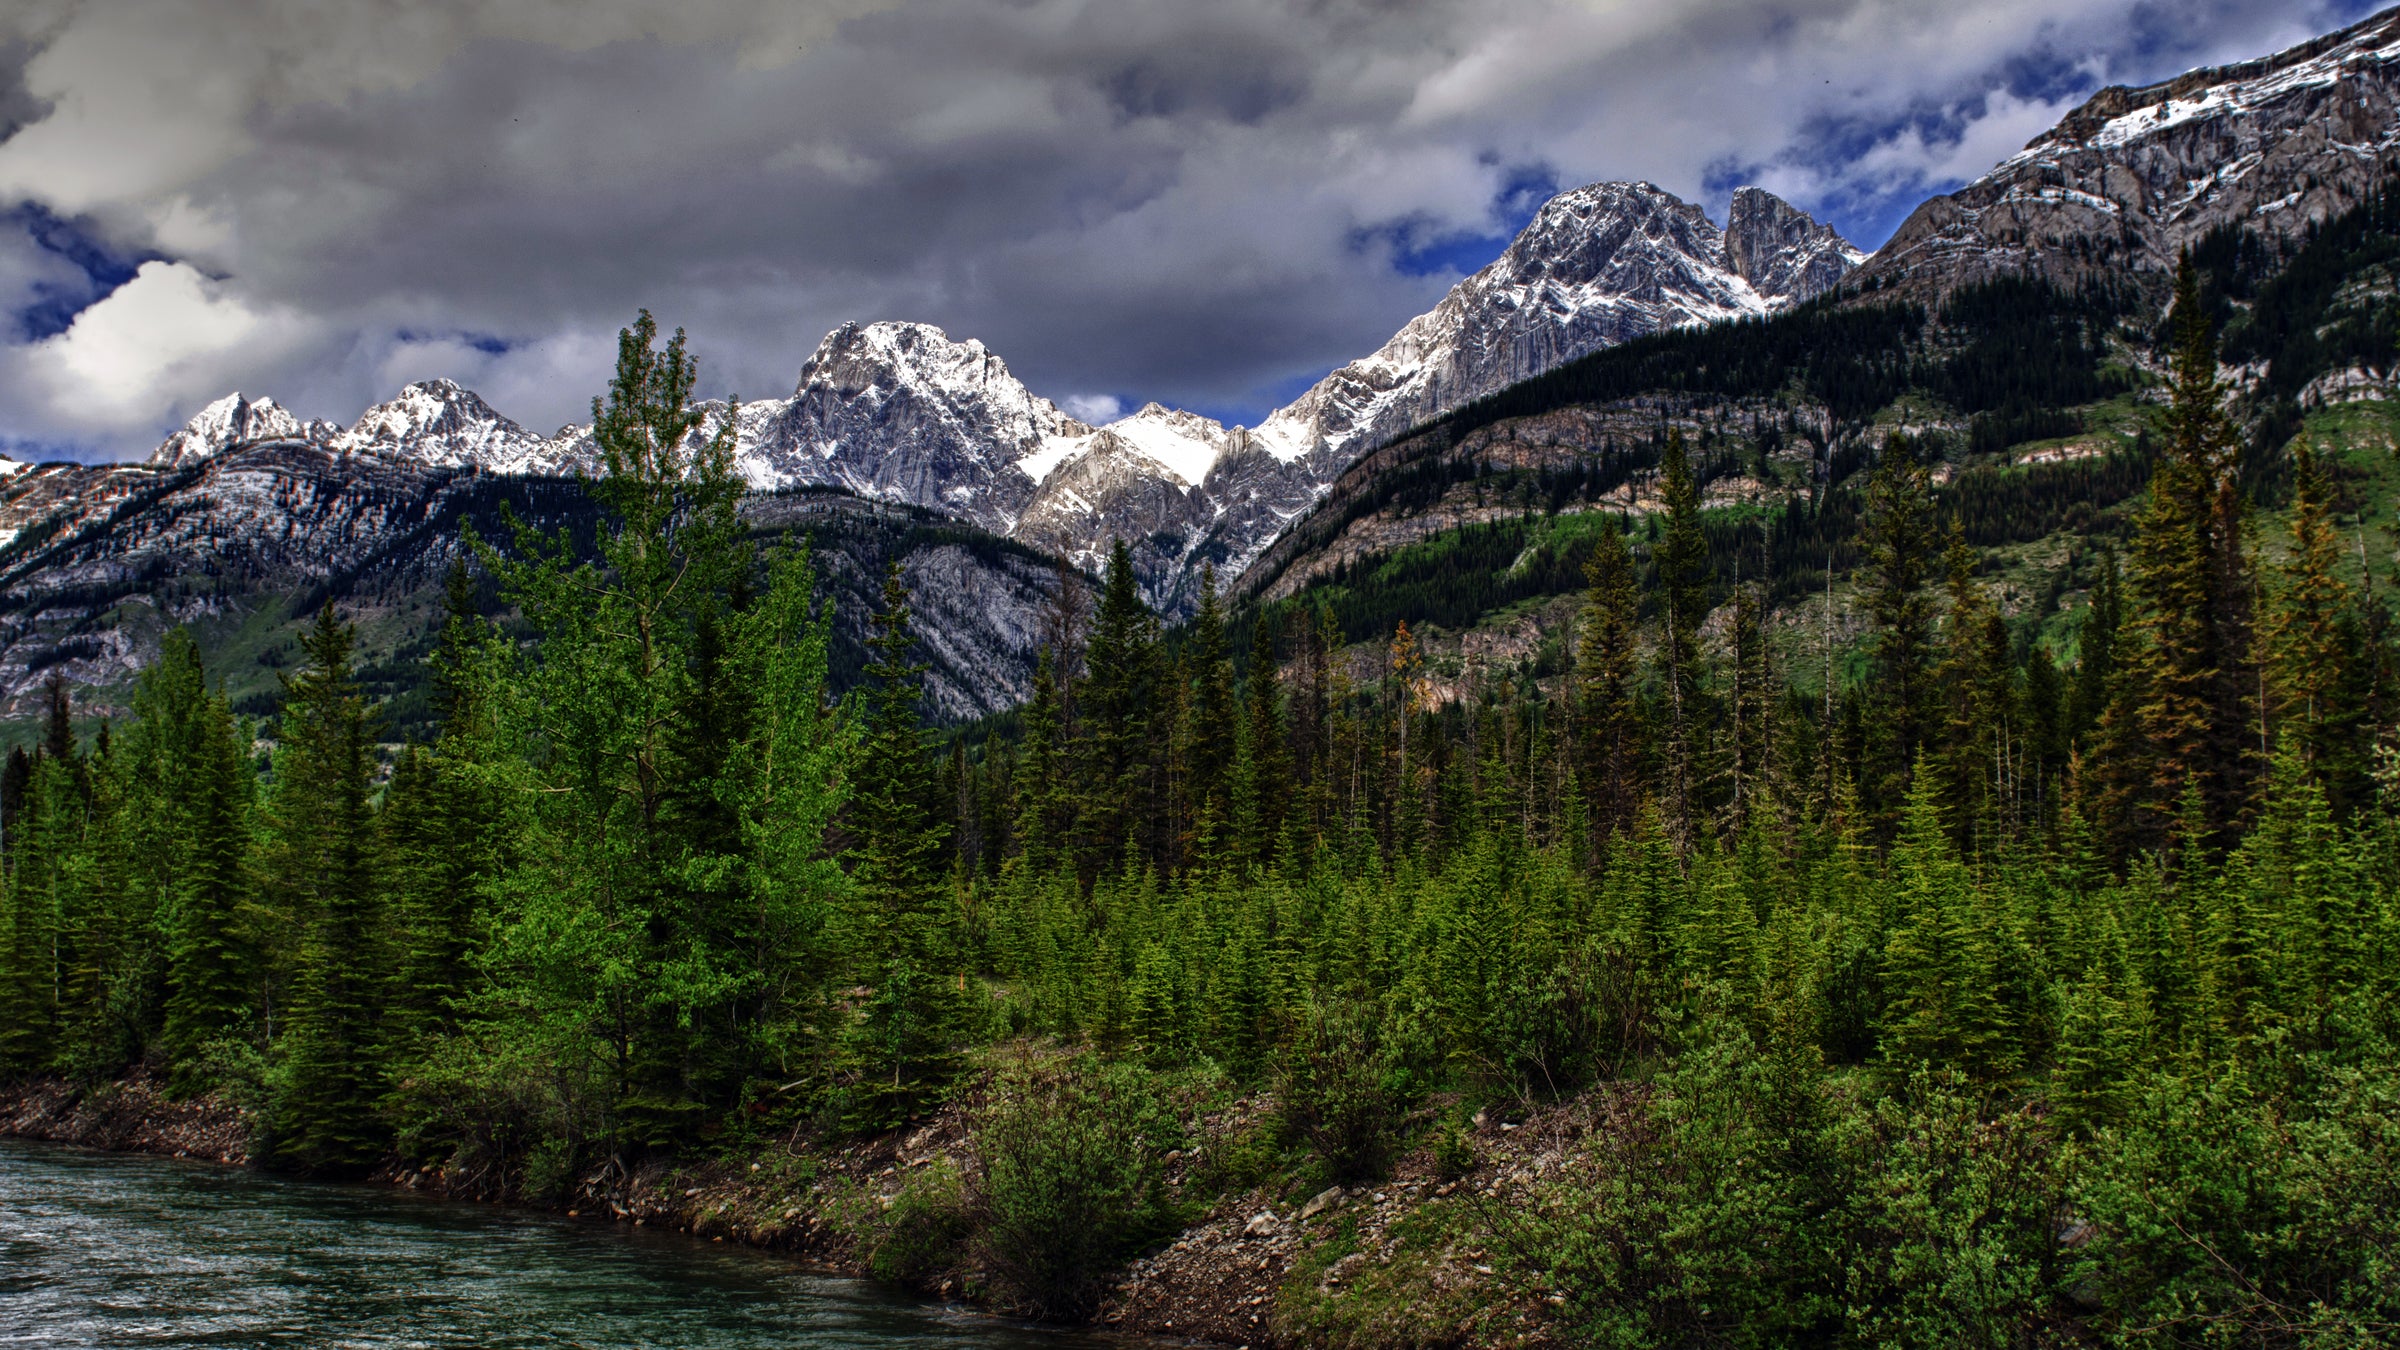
{"x": 1598, "y": 266}
{"x": 900, "y": 412}
{"x": 2129, "y": 179}
{"x": 231, "y": 420}
{"x": 435, "y": 422}
{"x": 97, "y": 562}
{"x": 1786, "y": 256}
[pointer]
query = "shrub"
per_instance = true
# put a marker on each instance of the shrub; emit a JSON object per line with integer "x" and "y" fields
{"x": 549, "y": 1171}
{"x": 1343, "y": 1090}
{"x": 925, "y": 1231}
{"x": 2225, "y": 1211}
{"x": 1453, "y": 1156}
{"x": 1067, "y": 1180}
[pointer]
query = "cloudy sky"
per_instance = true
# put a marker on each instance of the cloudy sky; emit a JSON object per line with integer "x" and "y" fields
{"x": 1204, "y": 202}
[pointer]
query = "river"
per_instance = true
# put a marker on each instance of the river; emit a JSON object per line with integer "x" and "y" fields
{"x": 124, "y": 1250}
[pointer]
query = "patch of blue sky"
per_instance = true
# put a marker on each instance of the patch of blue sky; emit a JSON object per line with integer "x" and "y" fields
{"x": 1419, "y": 247}
{"x": 101, "y": 269}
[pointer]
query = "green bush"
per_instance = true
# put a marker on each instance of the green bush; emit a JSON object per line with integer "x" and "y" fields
{"x": 1067, "y": 1180}
{"x": 1453, "y": 1156}
{"x": 2241, "y": 1211}
{"x": 1343, "y": 1090}
{"x": 926, "y": 1229}
{"x": 549, "y": 1171}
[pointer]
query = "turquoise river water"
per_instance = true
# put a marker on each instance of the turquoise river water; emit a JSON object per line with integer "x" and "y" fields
{"x": 120, "y": 1250}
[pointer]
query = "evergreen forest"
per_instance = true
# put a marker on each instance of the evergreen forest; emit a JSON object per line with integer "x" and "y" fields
{"x": 1949, "y": 988}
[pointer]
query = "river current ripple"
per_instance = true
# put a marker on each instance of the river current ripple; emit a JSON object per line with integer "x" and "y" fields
{"x": 119, "y": 1250}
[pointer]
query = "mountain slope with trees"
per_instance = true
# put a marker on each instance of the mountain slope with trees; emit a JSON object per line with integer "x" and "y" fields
{"x": 1927, "y": 957}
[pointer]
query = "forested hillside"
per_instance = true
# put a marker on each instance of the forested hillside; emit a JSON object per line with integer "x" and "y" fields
{"x": 1984, "y": 969}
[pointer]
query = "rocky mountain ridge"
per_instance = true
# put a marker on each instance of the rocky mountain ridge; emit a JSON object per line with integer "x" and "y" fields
{"x": 901, "y": 412}
{"x": 2134, "y": 176}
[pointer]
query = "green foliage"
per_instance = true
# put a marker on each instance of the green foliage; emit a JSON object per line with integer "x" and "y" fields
{"x": 320, "y": 853}
{"x": 926, "y": 1229}
{"x": 1953, "y": 987}
{"x": 2234, "y": 1209}
{"x": 1067, "y": 1180}
{"x": 1342, "y": 1089}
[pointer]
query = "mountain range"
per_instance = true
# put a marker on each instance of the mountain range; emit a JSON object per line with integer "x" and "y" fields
{"x": 902, "y": 412}
{"x": 248, "y": 503}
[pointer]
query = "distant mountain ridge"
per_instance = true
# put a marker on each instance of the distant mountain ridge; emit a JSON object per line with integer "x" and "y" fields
{"x": 2135, "y": 175}
{"x": 902, "y": 412}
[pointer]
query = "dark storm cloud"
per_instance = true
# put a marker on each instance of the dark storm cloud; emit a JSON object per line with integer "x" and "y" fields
{"x": 1124, "y": 198}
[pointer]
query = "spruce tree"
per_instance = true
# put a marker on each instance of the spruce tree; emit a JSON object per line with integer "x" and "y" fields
{"x": 2189, "y": 576}
{"x": 1120, "y": 704}
{"x": 2096, "y": 649}
{"x": 663, "y": 926}
{"x": 321, "y": 852}
{"x": 1682, "y": 563}
{"x": 1265, "y": 794}
{"x": 1605, "y": 665}
{"x": 1899, "y": 544}
{"x": 2309, "y": 633}
{"x": 906, "y": 1046}
{"x": 1938, "y": 978}
{"x": 1209, "y": 775}
{"x": 196, "y": 793}
{"x": 1038, "y": 781}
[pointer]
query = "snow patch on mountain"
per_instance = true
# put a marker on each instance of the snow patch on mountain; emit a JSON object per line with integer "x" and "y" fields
{"x": 1185, "y": 444}
{"x": 1598, "y": 265}
{"x": 436, "y": 422}
{"x": 902, "y": 412}
{"x": 230, "y": 421}
{"x": 2128, "y": 180}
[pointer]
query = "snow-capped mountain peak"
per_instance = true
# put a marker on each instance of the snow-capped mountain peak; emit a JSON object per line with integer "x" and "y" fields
{"x": 438, "y": 422}
{"x": 903, "y": 412}
{"x": 230, "y": 421}
{"x": 1785, "y": 255}
{"x": 1597, "y": 266}
{"x": 1185, "y": 444}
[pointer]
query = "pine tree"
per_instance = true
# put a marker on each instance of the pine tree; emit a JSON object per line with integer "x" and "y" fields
{"x": 2096, "y": 646}
{"x": 1209, "y": 775}
{"x": 2308, "y": 637}
{"x": 1606, "y": 667}
{"x": 1039, "y": 824}
{"x": 2191, "y": 581}
{"x": 321, "y": 852}
{"x": 1682, "y": 561}
{"x": 443, "y": 834}
{"x": 1938, "y": 977}
{"x": 194, "y": 796}
{"x": 1266, "y": 791}
{"x": 1409, "y": 697}
{"x": 1120, "y": 703}
{"x": 906, "y": 1046}
{"x": 1899, "y": 544}
{"x": 673, "y": 769}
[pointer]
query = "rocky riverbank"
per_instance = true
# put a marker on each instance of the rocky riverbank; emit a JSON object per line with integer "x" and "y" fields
{"x": 1279, "y": 1260}
{"x": 130, "y": 1116}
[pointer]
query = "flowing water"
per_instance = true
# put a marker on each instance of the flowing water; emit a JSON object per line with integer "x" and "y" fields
{"x": 119, "y": 1250}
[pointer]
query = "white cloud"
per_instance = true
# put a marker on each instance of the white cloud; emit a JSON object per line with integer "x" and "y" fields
{"x": 1093, "y": 409}
{"x": 1151, "y": 196}
{"x": 167, "y": 340}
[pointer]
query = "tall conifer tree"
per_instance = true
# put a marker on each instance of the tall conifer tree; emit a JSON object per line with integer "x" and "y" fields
{"x": 321, "y": 851}
{"x": 1606, "y": 666}
{"x": 1682, "y": 560}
